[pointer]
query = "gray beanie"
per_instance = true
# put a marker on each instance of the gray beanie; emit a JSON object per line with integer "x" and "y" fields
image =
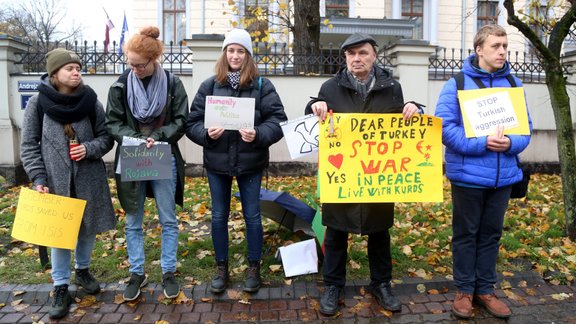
{"x": 240, "y": 37}
{"x": 59, "y": 57}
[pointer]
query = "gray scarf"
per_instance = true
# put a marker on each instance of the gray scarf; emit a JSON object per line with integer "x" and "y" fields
{"x": 147, "y": 104}
{"x": 362, "y": 87}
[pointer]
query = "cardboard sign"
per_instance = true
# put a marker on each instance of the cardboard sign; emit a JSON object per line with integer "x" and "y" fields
{"x": 48, "y": 220}
{"x": 380, "y": 158}
{"x": 138, "y": 163}
{"x": 301, "y": 135}
{"x": 229, "y": 112}
{"x": 484, "y": 109}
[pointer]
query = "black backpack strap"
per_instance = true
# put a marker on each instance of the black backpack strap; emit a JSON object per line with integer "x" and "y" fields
{"x": 511, "y": 80}
{"x": 459, "y": 77}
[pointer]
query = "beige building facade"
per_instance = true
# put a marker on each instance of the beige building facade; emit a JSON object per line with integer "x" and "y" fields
{"x": 444, "y": 23}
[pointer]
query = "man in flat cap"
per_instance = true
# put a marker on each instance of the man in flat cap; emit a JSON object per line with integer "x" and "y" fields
{"x": 359, "y": 87}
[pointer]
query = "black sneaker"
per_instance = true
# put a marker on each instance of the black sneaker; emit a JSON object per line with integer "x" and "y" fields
{"x": 384, "y": 296}
{"x": 136, "y": 282}
{"x": 61, "y": 301}
{"x": 329, "y": 300}
{"x": 171, "y": 287}
{"x": 85, "y": 280}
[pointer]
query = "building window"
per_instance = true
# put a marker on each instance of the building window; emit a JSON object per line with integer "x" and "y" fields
{"x": 174, "y": 20}
{"x": 540, "y": 15}
{"x": 414, "y": 10}
{"x": 337, "y": 8}
{"x": 487, "y": 13}
{"x": 256, "y": 18}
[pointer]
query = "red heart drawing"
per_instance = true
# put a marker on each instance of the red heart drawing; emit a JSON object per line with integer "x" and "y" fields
{"x": 336, "y": 160}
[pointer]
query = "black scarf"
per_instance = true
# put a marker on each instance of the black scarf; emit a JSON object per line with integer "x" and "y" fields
{"x": 66, "y": 108}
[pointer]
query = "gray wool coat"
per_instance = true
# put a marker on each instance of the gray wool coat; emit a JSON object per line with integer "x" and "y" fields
{"x": 45, "y": 156}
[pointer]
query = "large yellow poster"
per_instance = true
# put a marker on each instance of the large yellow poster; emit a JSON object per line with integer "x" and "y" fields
{"x": 380, "y": 158}
{"x": 48, "y": 220}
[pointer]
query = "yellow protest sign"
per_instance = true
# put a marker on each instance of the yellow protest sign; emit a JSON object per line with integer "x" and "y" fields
{"x": 48, "y": 220}
{"x": 380, "y": 158}
{"x": 484, "y": 109}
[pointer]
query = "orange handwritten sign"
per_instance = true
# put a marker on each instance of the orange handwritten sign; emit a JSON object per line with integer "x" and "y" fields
{"x": 380, "y": 158}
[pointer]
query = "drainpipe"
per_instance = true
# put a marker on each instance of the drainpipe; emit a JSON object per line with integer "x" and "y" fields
{"x": 202, "y": 16}
{"x": 463, "y": 39}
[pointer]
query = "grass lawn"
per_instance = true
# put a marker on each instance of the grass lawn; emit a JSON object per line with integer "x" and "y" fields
{"x": 533, "y": 239}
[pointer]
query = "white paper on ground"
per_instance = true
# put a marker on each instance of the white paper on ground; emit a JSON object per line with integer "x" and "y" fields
{"x": 299, "y": 258}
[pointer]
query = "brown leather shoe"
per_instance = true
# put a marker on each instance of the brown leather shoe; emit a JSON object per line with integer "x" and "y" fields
{"x": 493, "y": 305}
{"x": 462, "y": 305}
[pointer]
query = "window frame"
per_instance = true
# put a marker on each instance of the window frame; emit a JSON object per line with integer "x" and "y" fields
{"x": 175, "y": 13}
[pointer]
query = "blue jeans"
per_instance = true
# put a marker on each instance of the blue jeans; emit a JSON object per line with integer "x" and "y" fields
{"x": 61, "y": 259}
{"x": 478, "y": 219}
{"x": 220, "y": 191}
{"x": 164, "y": 194}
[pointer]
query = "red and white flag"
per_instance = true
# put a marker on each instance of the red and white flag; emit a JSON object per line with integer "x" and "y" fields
{"x": 109, "y": 26}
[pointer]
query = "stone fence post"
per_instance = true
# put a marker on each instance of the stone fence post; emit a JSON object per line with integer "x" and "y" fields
{"x": 10, "y": 165}
{"x": 411, "y": 59}
{"x": 206, "y": 49}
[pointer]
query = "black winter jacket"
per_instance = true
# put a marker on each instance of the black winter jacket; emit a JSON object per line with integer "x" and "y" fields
{"x": 229, "y": 154}
{"x": 340, "y": 96}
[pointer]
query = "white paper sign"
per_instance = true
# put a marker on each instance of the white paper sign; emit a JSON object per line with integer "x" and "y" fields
{"x": 301, "y": 135}
{"x": 487, "y": 112}
{"x": 299, "y": 258}
{"x": 229, "y": 112}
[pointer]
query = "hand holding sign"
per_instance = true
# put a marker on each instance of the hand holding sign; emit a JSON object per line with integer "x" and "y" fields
{"x": 498, "y": 142}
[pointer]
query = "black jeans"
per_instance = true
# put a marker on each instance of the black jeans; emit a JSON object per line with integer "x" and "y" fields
{"x": 478, "y": 218}
{"x": 336, "y": 254}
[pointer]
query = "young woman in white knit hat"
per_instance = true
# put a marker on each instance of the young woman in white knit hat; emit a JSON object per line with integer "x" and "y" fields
{"x": 242, "y": 154}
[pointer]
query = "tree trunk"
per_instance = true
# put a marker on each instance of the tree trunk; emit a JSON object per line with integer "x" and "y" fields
{"x": 306, "y": 35}
{"x": 565, "y": 139}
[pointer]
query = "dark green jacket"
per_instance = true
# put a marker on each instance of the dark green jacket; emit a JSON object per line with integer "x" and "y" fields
{"x": 120, "y": 122}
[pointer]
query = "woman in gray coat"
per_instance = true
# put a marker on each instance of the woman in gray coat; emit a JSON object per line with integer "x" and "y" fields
{"x": 63, "y": 141}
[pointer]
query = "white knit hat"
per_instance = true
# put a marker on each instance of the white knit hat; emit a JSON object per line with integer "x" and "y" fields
{"x": 240, "y": 37}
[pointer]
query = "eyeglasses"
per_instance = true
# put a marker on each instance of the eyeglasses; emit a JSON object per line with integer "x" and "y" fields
{"x": 140, "y": 66}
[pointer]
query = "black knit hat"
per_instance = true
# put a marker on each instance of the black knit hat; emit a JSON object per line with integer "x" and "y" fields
{"x": 59, "y": 57}
{"x": 358, "y": 39}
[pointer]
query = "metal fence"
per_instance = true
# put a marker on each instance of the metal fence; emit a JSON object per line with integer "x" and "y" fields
{"x": 177, "y": 58}
{"x": 278, "y": 59}
{"x": 445, "y": 63}
{"x": 274, "y": 59}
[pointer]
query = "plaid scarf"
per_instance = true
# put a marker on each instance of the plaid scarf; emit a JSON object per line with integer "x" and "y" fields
{"x": 233, "y": 79}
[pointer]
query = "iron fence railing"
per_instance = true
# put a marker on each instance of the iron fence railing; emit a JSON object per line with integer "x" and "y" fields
{"x": 278, "y": 59}
{"x": 274, "y": 59}
{"x": 447, "y": 62}
{"x": 176, "y": 58}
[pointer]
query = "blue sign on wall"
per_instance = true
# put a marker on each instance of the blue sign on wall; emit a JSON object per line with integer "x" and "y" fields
{"x": 28, "y": 86}
{"x": 24, "y": 100}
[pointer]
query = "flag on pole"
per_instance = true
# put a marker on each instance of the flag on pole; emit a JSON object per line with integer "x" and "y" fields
{"x": 109, "y": 26}
{"x": 124, "y": 31}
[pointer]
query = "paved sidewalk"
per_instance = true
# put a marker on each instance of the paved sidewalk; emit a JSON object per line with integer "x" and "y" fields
{"x": 531, "y": 299}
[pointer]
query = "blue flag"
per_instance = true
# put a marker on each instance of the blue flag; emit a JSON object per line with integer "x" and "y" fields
{"x": 124, "y": 30}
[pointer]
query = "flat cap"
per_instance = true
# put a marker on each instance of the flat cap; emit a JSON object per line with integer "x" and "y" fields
{"x": 358, "y": 39}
